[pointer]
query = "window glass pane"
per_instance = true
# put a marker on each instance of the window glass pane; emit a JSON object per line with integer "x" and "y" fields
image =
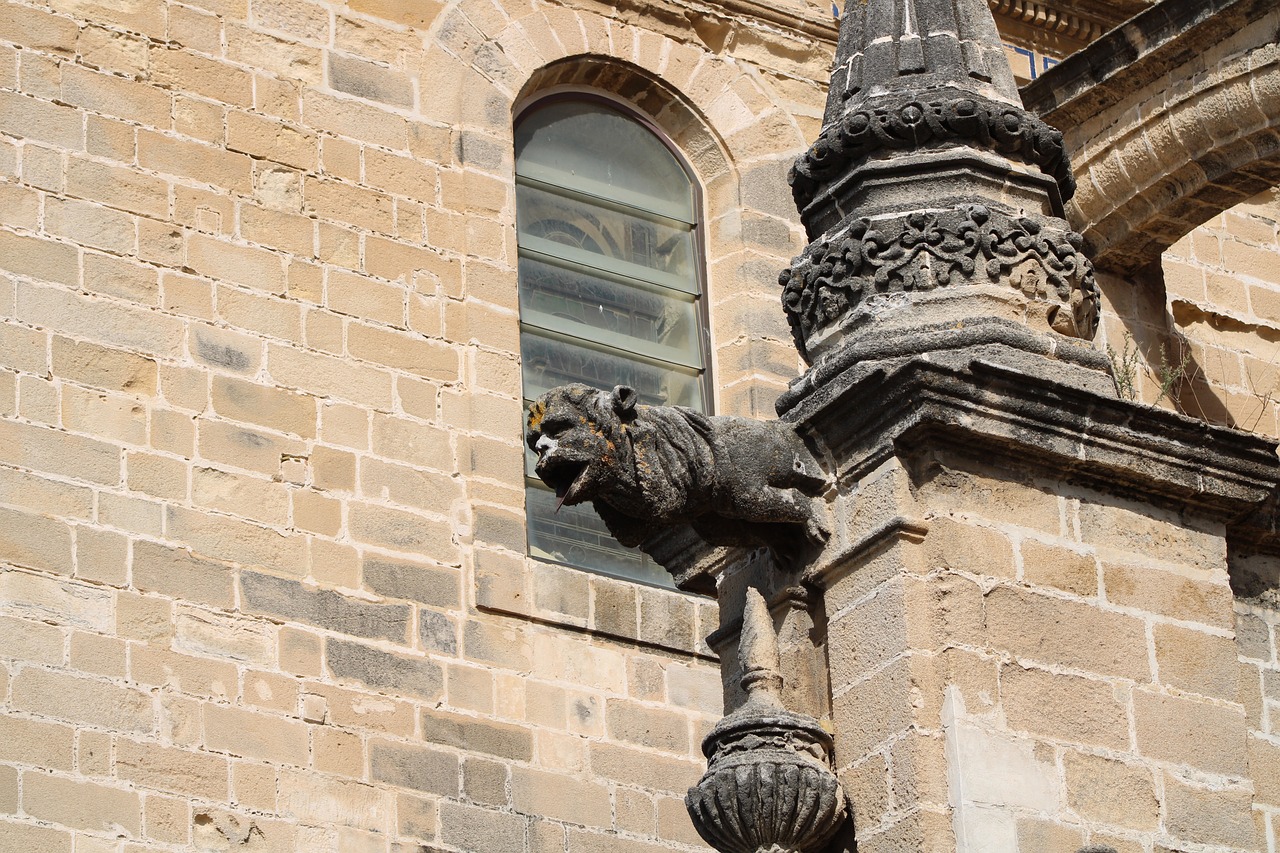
{"x": 574, "y": 302}
{"x": 577, "y": 537}
{"x": 581, "y": 145}
{"x": 645, "y": 247}
{"x": 548, "y": 362}
{"x": 609, "y": 289}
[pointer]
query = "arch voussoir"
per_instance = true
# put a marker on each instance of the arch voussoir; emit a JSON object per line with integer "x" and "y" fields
{"x": 1199, "y": 100}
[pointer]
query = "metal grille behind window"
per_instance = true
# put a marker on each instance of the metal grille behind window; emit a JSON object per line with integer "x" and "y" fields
{"x": 610, "y": 288}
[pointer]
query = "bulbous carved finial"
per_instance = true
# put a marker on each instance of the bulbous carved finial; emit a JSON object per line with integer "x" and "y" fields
{"x": 769, "y": 787}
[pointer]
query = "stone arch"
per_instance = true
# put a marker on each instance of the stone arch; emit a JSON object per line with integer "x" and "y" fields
{"x": 733, "y": 128}
{"x": 1170, "y": 120}
{"x": 652, "y": 96}
{"x": 495, "y": 59}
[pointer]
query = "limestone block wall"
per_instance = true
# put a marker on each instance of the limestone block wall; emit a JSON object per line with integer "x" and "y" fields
{"x": 1206, "y": 329}
{"x": 1031, "y": 666}
{"x": 1257, "y": 628}
{"x": 263, "y": 582}
{"x": 1223, "y": 287}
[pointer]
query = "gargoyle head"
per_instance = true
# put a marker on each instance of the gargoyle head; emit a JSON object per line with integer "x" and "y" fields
{"x": 577, "y": 432}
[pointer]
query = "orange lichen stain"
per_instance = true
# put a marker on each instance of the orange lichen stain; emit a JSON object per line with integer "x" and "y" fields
{"x": 537, "y": 411}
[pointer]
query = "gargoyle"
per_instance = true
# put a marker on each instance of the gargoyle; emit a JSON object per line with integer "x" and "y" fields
{"x": 736, "y": 481}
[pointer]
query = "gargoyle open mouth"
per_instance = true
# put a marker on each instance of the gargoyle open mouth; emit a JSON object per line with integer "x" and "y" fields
{"x": 567, "y": 477}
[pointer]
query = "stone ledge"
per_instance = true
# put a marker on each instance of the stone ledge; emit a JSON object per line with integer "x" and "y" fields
{"x": 1133, "y": 55}
{"x": 1002, "y": 405}
{"x": 693, "y": 569}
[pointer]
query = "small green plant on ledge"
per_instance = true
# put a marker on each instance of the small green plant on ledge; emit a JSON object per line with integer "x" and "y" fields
{"x": 1171, "y": 375}
{"x": 1124, "y": 368}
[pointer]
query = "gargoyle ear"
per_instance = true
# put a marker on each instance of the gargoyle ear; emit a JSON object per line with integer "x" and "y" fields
{"x": 624, "y": 401}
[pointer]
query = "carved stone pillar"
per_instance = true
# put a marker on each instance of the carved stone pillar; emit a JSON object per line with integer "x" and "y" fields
{"x": 769, "y": 787}
{"x": 931, "y": 196}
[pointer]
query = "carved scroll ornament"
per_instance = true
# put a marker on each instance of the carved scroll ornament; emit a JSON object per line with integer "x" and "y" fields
{"x": 923, "y": 251}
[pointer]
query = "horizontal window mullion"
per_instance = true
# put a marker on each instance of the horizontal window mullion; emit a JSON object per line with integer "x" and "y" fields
{"x": 621, "y": 344}
{"x": 594, "y": 262}
{"x": 584, "y": 189}
{"x": 550, "y": 359}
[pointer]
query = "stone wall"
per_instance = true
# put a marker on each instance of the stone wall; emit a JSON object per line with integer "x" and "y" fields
{"x": 264, "y": 580}
{"x": 1028, "y": 665}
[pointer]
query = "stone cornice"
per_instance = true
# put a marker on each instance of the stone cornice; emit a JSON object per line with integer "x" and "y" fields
{"x": 815, "y": 27}
{"x": 1050, "y": 414}
{"x": 1081, "y": 20}
{"x": 1130, "y": 57}
{"x": 1007, "y": 409}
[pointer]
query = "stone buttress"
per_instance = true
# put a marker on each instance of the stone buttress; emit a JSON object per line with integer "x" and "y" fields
{"x": 1020, "y": 628}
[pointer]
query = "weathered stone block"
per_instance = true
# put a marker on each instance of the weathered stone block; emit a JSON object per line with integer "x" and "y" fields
{"x": 321, "y": 801}
{"x": 289, "y": 600}
{"x": 82, "y": 805}
{"x": 1193, "y": 733}
{"x": 1192, "y": 596}
{"x": 411, "y": 766}
{"x": 179, "y": 771}
{"x": 42, "y": 744}
{"x": 1112, "y": 792}
{"x": 478, "y": 735}
{"x": 1197, "y": 662}
{"x": 471, "y": 828}
{"x": 648, "y": 726}
{"x": 1201, "y": 815}
{"x": 400, "y": 674}
{"x": 1061, "y": 568}
{"x": 561, "y": 798}
{"x": 1065, "y": 707}
{"x": 1057, "y": 631}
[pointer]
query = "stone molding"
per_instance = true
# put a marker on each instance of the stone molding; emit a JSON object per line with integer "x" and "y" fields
{"x": 1053, "y": 18}
{"x": 1049, "y": 412}
{"x": 1149, "y": 46}
{"x": 904, "y": 123}
{"x": 1030, "y": 414}
{"x": 1021, "y": 410}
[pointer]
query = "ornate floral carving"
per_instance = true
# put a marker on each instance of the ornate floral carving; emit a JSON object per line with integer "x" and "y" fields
{"x": 923, "y": 251}
{"x": 914, "y": 124}
{"x": 769, "y": 787}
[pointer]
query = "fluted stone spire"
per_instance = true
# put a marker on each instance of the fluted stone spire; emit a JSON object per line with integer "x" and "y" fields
{"x": 917, "y": 46}
{"x": 931, "y": 195}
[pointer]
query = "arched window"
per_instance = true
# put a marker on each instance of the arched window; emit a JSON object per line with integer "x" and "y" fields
{"x": 610, "y": 289}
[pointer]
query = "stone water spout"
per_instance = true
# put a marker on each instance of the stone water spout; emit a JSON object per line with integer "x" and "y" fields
{"x": 647, "y": 469}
